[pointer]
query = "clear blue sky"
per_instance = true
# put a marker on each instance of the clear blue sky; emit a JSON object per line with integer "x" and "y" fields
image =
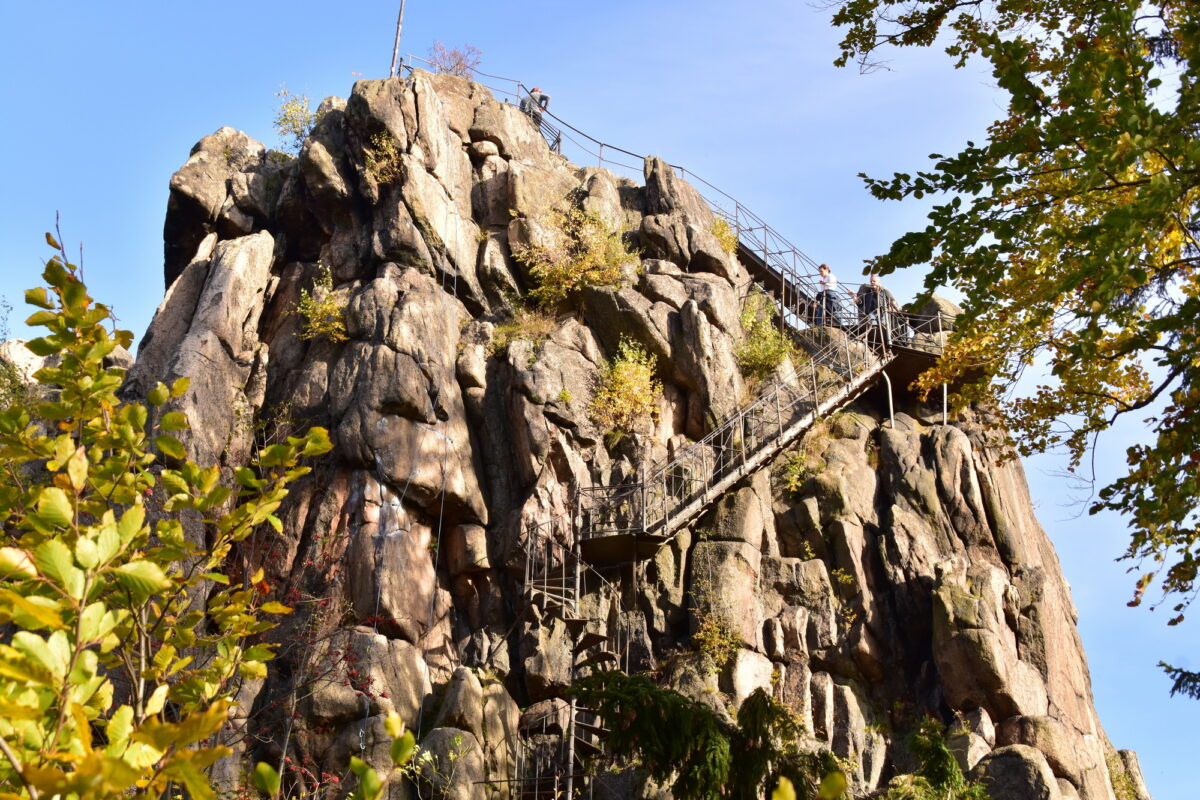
{"x": 103, "y": 101}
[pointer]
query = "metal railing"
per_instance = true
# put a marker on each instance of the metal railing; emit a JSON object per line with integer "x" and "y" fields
{"x": 674, "y": 493}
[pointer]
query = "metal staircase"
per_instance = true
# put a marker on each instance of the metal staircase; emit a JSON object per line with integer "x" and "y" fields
{"x": 628, "y": 522}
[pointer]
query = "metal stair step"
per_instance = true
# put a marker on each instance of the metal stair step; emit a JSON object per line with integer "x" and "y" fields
{"x": 552, "y": 579}
{"x": 595, "y": 729}
{"x": 600, "y": 657}
{"x": 549, "y": 600}
{"x": 587, "y": 749}
{"x": 589, "y": 640}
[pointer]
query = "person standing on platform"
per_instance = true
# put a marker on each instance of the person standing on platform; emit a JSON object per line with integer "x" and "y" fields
{"x": 825, "y": 312}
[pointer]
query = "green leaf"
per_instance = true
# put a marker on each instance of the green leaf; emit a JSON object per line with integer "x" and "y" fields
{"x": 40, "y": 651}
{"x": 131, "y": 523}
{"x": 265, "y": 779}
{"x": 77, "y": 469}
{"x": 142, "y": 578}
{"x": 44, "y": 346}
{"x": 180, "y": 386}
{"x": 170, "y": 447}
{"x": 317, "y": 442}
{"x": 95, "y": 622}
{"x": 158, "y": 395}
{"x": 15, "y": 563}
{"x": 402, "y": 748}
{"x": 40, "y": 318}
{"x": 39, "y": 297}
{"x": 120, "y": 726}
{"x": 32, "y": 612}
{"x": 55, "y": 561}
{"x": 50, "y": 240}
{"x": 11, "y": 710}
{"x": 784, "y": 790}
{"x": 173, "y": 421}
{"x": 157, "y": 700}
{"x": 833, "y": 786}
{"x": 275, "y": 607}
{"x": 369, "y": 783}
{"x": 55, "y": 507}
{"x": 87, "y": 554}
{"x": 16, "y": 666}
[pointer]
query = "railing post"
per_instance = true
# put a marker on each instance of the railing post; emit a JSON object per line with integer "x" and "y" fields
{"x": 778, "y": 413}
{"x": 643, "y": 471}
{"x": 742, "y": 435}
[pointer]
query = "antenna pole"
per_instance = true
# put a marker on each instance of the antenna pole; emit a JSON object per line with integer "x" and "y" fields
{"x": 396, "y": 46}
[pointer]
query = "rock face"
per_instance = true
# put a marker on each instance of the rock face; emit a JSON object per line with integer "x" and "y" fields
{"x": 906, "y": 576}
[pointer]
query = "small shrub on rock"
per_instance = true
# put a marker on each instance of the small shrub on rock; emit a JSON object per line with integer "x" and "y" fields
{"x": 382, "y": 159}
{"x": 939, "y": 776}
{"x": 582, "y": 250}
{"x": 627, "y": 396}
{"x": 805, "y": 461}
{"x": 294, "y": 120}
{"x": 764, "y": 346}
{"x": 725, "y": 235}
{"x": 323, "y": 309}
{"x": 715, "y": 638}
{"x": 529, "y": 324}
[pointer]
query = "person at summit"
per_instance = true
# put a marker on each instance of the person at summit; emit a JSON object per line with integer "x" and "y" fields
{"x": 534, "y": 104}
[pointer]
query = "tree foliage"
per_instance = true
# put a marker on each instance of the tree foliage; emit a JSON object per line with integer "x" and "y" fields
{"x": 1072, "y": 233}
{"x": 461, "y": 61}
{"x": 1184, "y": 682}
{"x": 294, "y": 120}
{"x": 125, "y": 640}
{"x": 684, "y": 743}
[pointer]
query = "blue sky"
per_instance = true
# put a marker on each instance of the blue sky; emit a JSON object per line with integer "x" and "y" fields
{"x": 104, "y": 101}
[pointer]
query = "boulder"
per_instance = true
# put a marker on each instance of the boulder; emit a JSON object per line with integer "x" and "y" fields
{"x": 1017, "y": 772}
{"x": 462, "y": 705}
{"x": 198, "y": 193}
{"x": 749, "y": 671}
{"x": 450, "y": 765}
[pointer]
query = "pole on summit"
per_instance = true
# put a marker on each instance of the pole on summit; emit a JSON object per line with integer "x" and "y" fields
{"x": 396, "y": 46}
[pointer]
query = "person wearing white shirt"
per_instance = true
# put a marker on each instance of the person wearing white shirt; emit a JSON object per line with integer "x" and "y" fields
{"x": 826, "y": 310}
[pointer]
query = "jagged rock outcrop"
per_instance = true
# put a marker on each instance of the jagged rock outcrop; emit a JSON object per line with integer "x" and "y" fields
{"x": 906, "y": 575}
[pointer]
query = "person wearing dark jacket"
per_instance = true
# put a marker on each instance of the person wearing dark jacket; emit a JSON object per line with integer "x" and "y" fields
{"x": 872, "y": 298}
{"x": 534, "y": 104}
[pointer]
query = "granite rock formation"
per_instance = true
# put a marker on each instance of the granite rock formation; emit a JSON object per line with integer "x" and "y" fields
{"x": 906, "y": 575}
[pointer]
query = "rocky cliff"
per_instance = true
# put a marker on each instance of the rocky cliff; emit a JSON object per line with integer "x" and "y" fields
{"x": 903, "y": 573}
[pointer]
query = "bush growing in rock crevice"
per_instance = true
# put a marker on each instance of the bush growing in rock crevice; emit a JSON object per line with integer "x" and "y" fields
{"x": 530, "y": 324}
{"x": 764, "y": 346}
{"x": 381, "y": 158}
{"x": 323, "y": 309}
{"x": 626, "y": 396}
{"x": 294, "y": 120}
{"x": 725, "y": 234}
{"x": 580, "y": 249}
